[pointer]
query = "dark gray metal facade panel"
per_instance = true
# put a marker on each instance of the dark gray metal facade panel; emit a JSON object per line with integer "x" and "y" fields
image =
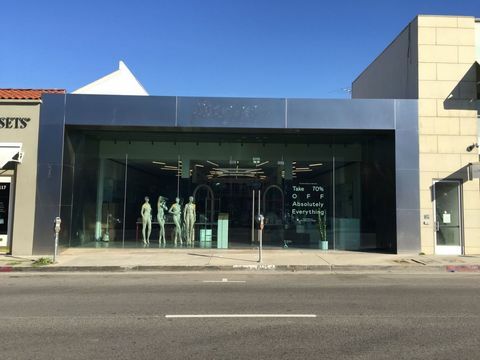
{"x": 406, "y": 150}
{"x": 407, "y": 176}
{"x": 407, "y": 233}
{"x": 340, "y": 114}
{"x": 407, "y": 195}
{"x": 406, "y": 115}
{"x": 185, "y": 112}
{"x": 118, "y": 110}
{"x": 231, "y": 112}
{"x": 49, "y": 171}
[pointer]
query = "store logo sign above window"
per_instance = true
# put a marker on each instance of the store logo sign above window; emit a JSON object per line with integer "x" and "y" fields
{"x": 14, "y": 122}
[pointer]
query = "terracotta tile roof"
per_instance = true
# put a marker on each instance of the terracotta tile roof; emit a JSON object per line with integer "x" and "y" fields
{"x": 27, "y": 94}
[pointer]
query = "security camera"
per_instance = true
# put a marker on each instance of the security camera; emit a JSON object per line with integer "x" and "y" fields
{"x": 471, "y": 147}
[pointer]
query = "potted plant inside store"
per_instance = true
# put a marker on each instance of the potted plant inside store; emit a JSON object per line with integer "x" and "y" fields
{"x": 322, "y": 225}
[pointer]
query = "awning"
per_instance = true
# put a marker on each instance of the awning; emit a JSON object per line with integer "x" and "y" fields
{"x": 10, "y": 152}
{"x": 474, "y": 171}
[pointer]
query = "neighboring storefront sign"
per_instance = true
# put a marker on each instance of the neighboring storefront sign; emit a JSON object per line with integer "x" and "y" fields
{"x": 14, "y": 122}
{"x": 4, "y": 206}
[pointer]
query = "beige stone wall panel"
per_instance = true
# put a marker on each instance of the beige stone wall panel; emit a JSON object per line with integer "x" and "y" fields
{"x": 467, "y": 22}
{"x": 427, "y": 36}
{"x": 427, "y": 107}
{"x": 438, "y": 54}
{"x": 466, "y": 54}
{"x": 451, "y": 36}
{"x": 468, "y": 126}
{"x": 472, "y": 219}
{"x": 447, "y": 126}
{"x": 437, "y": 21}
{"x": 472, "y": 185}
{"x": 471, "y": 200}
{"x": 453, "y": 144}
{"x": 428, "y": 144}
{"x": 427, "y": 71}
{"x": 428, "y": 238}
{"x": 426, "y": 179}
{"x": 425, "y": 199}
{"x": 438, "y": 89}
{"x": 447, "y": 163}
{"x": 426, "y": 125}
{"x": 454, "y": 72}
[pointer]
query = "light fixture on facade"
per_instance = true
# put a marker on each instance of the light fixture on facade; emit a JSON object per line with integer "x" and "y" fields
{"x": 471, "y": 147}
{"x": 158, "y": 162}
{"x": 313, "y": 165}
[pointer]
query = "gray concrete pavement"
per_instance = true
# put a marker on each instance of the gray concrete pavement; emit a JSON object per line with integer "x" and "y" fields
{"x": 123, "y": 316}
{"x": 154, "y": 259}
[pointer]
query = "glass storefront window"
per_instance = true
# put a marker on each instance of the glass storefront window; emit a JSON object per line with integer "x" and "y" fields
{"x": 315, "y": 189}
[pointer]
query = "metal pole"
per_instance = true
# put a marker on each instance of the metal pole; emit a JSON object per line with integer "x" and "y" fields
{"x": 260, "y": 240}
{"x": 124, "y": 199}
{"x": 334, "y": 206}
{"x": 253, "y": 216}
{"x": 56, "y": 248}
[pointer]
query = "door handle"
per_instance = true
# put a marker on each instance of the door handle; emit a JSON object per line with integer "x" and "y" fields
{"x": 437, "y": 225}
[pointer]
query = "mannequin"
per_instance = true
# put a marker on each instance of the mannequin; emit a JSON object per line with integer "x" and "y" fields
{"x": 189, "y": 216}
{"x": 176, "y": 211}
{"x": 161, "y": 207}
{"x": 146, "y": 213}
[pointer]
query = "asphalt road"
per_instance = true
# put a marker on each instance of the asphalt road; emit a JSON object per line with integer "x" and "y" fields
{"x": 123, "y": 316}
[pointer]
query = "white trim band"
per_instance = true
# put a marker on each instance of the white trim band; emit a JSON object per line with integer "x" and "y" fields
{"x": 187, "y": 316}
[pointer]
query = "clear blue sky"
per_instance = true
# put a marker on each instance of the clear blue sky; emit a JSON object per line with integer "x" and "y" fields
{"x": 258, "y": 48}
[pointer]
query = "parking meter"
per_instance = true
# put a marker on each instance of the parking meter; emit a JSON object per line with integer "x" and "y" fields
{"x": 260, "y": 221}
{"x": 57, "y": 224}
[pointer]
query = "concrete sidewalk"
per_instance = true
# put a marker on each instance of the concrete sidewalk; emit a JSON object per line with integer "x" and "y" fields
{"x": 195, "y": 259}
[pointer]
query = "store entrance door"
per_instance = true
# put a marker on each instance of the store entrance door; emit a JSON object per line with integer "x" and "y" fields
{"x": 5, "y": 213}
{"x": 448, "y": 222}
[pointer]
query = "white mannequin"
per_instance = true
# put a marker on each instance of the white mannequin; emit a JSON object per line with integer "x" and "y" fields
{"x": 161, "y": 219}
{"x": 176, "y": 211}
{"x": 146, "y": 213}
{"x": 189, "y": 217}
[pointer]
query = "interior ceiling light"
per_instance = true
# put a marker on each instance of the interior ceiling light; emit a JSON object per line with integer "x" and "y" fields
{"x": 303, "y": 168}
{"x": 212, "y": 163}
{"x": 158, "y": 162}
{"x": 199, "y": 165}
{"x": 235, "y": 172}
{"x": 318, "y": 164}
{"x": 263, "y": 163}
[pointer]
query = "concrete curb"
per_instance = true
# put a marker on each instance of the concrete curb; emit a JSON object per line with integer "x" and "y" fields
{"x": 246, "y": 267}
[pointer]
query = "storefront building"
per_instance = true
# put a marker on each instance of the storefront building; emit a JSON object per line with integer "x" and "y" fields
{"x": 391, "y": 170}
{"x": 435, "y": 60}
{"x": 331, "y": 170}
{"x": 19, "y": 124}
